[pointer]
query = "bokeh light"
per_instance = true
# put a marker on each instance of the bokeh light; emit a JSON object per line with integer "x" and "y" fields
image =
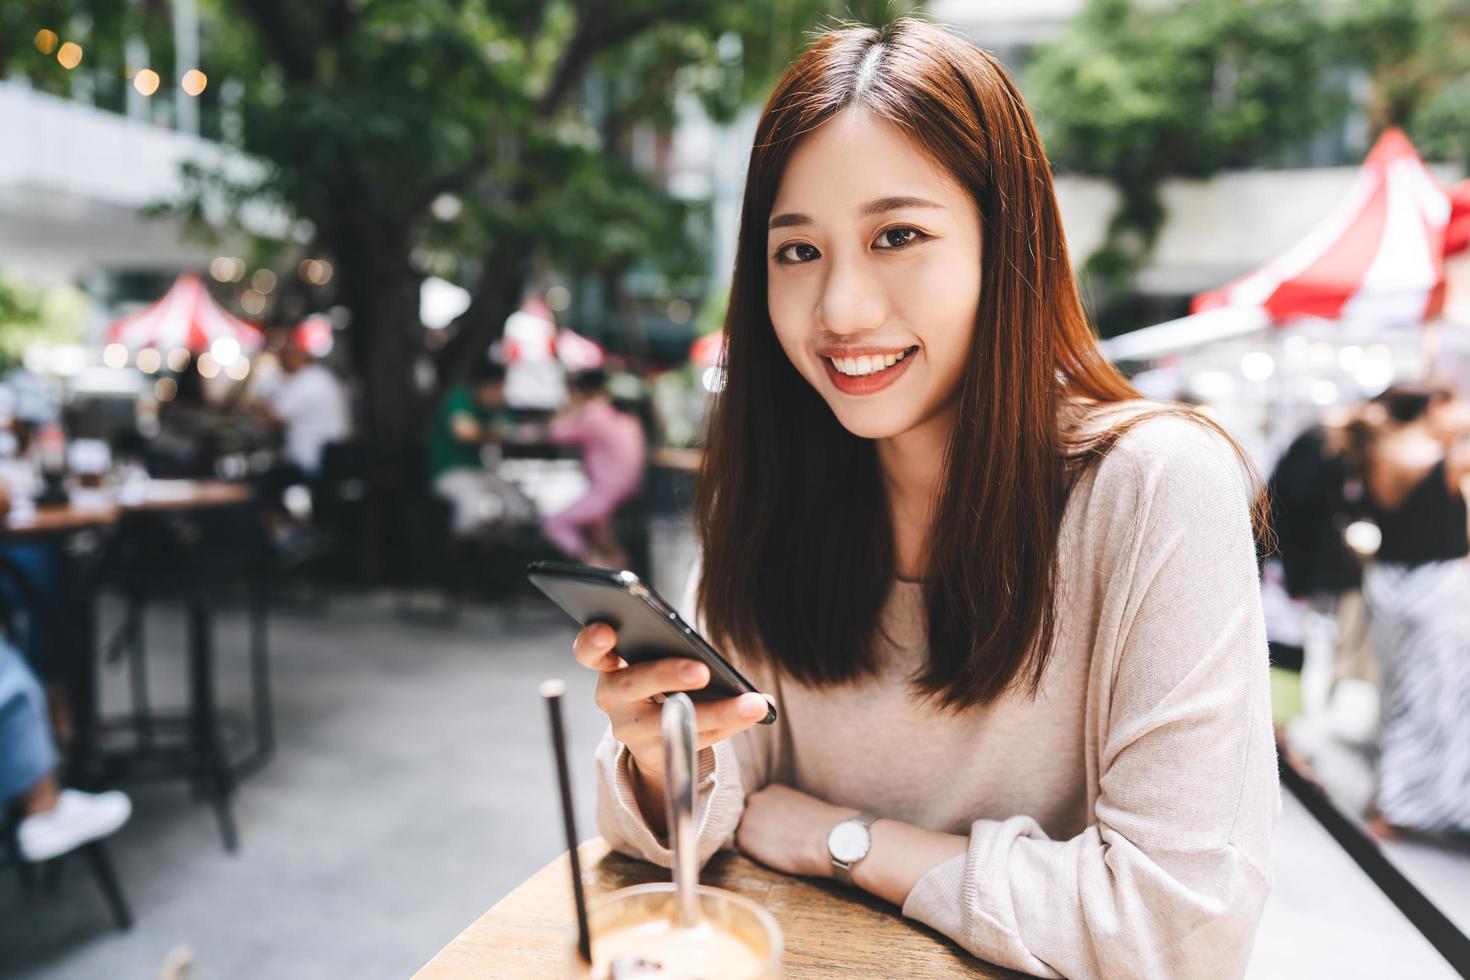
{"x": 46, "y": 40}
{"x": 252, "y": 301}
{"x": 146, "y": 81}
{"x": 69, "y": 54}
{"x": 149, "y": 360}
{"x": 263, "y": 280}
{"x": 318, "y": 272}
{"x": 558, "y": 298}
{"x": 164, "y": 389}
{"x": 227, "y": 268}
{"x": 115, "y": 356}
{"x": 1324, "y": 393}
{"x": 207, "y": 366}
{"x": 240, "y": 370}
{"x": 193, "y": 82}
{"x": 1257, "y": 366}
{"x": 178, "y": 359}
{"x": 225, "y": 351}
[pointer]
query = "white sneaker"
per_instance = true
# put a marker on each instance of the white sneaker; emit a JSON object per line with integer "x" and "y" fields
{"x": 78, "y": 818}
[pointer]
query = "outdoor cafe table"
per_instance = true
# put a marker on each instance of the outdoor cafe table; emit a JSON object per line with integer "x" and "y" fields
{"x": 104, "y": 513}
{"x": 157, "y": 495}
{"x": 829, "y": 930}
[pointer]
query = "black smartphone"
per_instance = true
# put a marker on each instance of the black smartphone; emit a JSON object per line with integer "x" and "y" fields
{"x": 648, "y": 628}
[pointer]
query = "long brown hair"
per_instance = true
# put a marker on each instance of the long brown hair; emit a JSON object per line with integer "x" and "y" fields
{"x": 791, "y": 510}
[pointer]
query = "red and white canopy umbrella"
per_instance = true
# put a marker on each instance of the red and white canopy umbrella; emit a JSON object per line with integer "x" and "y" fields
{"x": 314, "y": 335}
{"x": 532, "y": 335}
{"x": 1379, "y": 256}
{"x": 186, "y": 316}
{"x": 578, "y": 353}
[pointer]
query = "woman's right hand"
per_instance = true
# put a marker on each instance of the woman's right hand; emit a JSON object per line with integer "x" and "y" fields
{"x": 625, "y": 694}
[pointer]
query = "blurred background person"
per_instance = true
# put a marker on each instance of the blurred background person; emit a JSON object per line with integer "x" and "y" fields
{"x": 614, "y": 454}
{"x": 53, "y": 820}
{"x": 471, "y": 422}
{"x": 1409, "y": 447}
{"x": 184, "y": 445}
{"x": 309, "y": 407}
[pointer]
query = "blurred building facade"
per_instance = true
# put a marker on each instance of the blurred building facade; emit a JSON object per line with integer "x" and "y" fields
{"x": 79, "y": 171}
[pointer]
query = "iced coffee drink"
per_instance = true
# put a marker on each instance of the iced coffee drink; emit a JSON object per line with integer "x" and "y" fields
{"x": 635, "y": 937}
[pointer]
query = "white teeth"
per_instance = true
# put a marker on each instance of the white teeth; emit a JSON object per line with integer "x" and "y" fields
{"x": 866, "y": 364}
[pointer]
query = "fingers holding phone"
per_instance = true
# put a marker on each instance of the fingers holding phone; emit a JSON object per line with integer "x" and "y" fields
{"x": 629, "y": 696}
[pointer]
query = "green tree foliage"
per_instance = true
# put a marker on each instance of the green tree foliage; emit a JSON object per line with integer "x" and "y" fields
{"x": 1416, "y": 54}
{"x": 29, "y": 316}
{"x": 1138, "y": 92}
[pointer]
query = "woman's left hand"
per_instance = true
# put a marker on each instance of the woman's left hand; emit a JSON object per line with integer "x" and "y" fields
{"x": 786, "y": 829}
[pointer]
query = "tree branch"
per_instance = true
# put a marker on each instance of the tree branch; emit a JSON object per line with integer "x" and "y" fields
{"x": 593, "y": 36}
{"x": 282, "y": 30}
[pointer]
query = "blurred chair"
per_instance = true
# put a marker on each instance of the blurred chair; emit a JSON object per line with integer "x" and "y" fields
{"x": 94, "y": 855}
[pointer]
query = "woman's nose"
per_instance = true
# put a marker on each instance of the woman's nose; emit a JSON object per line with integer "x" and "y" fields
{"x": 852, "y": 299}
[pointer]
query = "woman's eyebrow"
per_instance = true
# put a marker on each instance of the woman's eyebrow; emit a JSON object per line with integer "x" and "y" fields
{"x": 879, "y": 206}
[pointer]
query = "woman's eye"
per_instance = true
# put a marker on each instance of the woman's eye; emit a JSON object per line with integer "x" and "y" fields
{"x": 899, "y": 237}
{"x": 797, "y": 252}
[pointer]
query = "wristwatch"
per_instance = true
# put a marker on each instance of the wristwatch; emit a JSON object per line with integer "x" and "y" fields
{"x": 848, "y": 843}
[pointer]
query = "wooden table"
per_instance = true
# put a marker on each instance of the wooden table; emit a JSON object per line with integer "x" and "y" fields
{"x": 43, "y": 522}
{"x": 830, "y": 931}
{"x": 158, "y": 495}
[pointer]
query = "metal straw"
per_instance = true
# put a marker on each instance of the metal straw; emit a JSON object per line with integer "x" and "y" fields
{"x": 677, "y": 729}
{"x": 552, "y": 691}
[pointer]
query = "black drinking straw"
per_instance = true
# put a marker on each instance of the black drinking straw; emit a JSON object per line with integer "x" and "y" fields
{"x": 552, "y": 691}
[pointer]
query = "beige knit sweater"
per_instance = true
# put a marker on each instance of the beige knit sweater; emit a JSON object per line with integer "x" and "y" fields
{"x": 1119, "y": 824}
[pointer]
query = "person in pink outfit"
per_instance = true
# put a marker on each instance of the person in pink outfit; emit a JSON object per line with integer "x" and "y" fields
{"x": 614, "y": 453}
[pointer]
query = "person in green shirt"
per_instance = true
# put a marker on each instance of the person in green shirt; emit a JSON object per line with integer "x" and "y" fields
{"x": 470, "y": 422}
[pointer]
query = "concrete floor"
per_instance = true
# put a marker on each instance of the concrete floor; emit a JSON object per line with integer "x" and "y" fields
{"x": 413, "y": 789}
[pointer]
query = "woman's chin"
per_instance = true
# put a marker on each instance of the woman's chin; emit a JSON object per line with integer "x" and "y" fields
{"x": 873, "y": 421}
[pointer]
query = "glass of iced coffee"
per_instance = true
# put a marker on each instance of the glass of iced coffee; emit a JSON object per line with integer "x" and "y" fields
{"x": 636, "y": 936}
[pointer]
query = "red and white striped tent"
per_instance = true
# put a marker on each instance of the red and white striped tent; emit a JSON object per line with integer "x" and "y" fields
{"x": 186, "y": 316}
{"x": 1379, "y": 257}
{"x": 1377, "y": 260}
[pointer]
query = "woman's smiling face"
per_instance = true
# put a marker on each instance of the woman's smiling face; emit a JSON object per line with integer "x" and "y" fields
{"x": 873, "y": 274}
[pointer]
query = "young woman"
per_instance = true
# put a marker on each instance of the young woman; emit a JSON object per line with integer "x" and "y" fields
{"x": 1007, "y": 611}
{"x": 1408, "y": 445}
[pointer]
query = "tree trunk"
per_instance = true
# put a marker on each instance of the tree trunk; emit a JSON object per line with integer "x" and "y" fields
{"x": 495, "y": 297}
{"x": 386, "y": 340}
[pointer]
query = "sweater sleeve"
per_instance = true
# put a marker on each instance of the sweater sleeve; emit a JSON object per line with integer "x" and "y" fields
{"x": 727, "y": 771}
{"x": 621, "y": 822}
{"x": 1170, "y": 877}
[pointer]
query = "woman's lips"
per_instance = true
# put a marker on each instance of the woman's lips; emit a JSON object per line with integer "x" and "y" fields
{"x": 866, "y": 384}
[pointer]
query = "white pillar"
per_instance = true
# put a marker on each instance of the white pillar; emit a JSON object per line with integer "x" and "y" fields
{"x": 186, "y": 56}
{"x": 135, "y": 51}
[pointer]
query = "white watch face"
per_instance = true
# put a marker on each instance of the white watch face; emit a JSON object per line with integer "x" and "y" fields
{"x": 849, "y": 841}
